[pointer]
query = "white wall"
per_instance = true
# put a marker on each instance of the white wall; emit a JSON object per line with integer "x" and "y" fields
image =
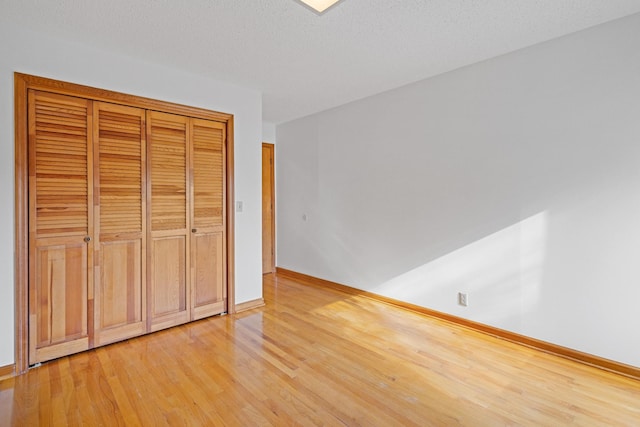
{"x": 32, "y": 53}
{"x": 268, "y": 132}
{"x": 516, "y": 180}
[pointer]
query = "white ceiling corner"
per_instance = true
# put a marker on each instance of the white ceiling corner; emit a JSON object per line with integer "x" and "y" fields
{"x": 305, "y": 62}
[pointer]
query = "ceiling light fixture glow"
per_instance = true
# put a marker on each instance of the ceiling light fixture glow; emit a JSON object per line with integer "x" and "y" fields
{"x": 320, "y": 5}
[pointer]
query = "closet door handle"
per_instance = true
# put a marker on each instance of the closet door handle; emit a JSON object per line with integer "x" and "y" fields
{"x": 194, "y": 230}
{"x": 87, "y": 239}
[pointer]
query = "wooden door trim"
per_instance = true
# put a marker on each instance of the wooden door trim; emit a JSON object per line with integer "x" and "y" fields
{"x": 230, "y": 199}
{"x": 95, "y": 94}
{"x": 272, "y": 152}
{"x": 24, "y": 82}
{"x": 21, "y": 239}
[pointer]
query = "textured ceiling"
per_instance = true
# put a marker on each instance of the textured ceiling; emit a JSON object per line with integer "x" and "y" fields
{"x": 304, "y": 62}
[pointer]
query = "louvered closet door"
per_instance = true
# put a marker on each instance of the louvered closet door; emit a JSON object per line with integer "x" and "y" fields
{"x": 119, "y": 153}
{"x": 60, "y": 224}
{"x": 208, "y": 256}
{"x": 167, "y": 137}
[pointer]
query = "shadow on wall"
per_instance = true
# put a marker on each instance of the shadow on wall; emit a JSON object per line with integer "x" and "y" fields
{"x": 501, "y": 274}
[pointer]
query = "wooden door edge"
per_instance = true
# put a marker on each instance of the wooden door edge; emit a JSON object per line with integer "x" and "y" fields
{"x": 21, "y": 252}
{"x": 271, "y": 148}
{"x": 231, "y": 259}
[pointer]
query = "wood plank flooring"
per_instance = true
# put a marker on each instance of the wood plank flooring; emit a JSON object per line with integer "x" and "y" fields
{"x": 316, "y": 357}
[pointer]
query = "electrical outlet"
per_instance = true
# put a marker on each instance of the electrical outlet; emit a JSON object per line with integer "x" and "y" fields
{"x": 463, "y": 300}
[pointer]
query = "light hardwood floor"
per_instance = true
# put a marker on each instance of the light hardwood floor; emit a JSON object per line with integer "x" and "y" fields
{"x": 318, "y": 357}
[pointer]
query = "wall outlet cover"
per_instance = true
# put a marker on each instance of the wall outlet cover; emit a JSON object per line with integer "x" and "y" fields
{"x": 463, "y": 299}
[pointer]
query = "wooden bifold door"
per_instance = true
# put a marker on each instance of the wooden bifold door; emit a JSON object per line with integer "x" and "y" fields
{"x": 120, "y": 222}
{"x": 127, "y": 221}
{"x": 60, "y": 224}
{"x": 187, "y": 256}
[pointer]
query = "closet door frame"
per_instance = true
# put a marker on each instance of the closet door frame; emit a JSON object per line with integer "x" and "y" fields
{"x": 22, "y": 84}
